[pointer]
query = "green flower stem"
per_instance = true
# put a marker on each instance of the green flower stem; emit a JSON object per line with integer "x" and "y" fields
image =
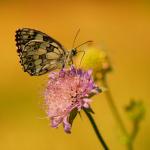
{"x": 133, "y": 134}
{"x": 115, "y": 112}
{"x": 101, "y": 140}
{"x": 135, "y": 130}
{"x": 113, "y": 107}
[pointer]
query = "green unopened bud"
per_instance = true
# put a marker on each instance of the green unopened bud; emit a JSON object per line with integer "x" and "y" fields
{"x": 135, "y": 110}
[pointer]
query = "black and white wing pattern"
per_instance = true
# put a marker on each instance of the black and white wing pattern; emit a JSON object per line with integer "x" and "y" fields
{"x": 38, "y": 52}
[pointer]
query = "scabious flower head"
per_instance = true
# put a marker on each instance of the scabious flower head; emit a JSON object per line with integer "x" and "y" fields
{"x": 67, "y": 91}
{"x": 96, "y": 59}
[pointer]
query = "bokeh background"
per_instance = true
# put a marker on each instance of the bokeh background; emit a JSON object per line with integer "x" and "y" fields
{"x": 121, "y": 28}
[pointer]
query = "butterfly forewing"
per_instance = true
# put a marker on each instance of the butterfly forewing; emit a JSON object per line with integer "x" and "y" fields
{"x": 38, "y": 52}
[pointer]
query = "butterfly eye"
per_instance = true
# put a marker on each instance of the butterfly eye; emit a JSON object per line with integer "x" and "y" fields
{"x": 74, "y": 52}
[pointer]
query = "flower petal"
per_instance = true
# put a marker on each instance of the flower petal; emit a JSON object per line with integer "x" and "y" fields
{"x": 55, "y": 121}
{"x": 67, "y": 125}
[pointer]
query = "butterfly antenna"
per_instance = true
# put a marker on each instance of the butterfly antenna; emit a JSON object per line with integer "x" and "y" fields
{"x": 77, "y": 33}
{"x": 83, "y": 44}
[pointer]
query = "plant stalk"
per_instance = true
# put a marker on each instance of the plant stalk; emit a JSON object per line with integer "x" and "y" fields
{"x": 101, "y": 140}
{"x": 113, "y": 107}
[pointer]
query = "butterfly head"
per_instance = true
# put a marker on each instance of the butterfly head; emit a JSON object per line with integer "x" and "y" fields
{"x": 74, "y": 52}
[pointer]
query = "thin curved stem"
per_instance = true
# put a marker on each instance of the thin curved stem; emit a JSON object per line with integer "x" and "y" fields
{"x": 133, "y": 134}
{"x": 113, "y": 107}
{"x": 115, "y": 112}
{"x": 101, "y": 140}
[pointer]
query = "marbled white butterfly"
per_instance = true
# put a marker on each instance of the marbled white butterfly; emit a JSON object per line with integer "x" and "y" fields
{"x": 40, "y": 53}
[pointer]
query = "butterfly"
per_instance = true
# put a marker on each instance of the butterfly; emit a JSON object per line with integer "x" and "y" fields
{"x": 40, "y": 53}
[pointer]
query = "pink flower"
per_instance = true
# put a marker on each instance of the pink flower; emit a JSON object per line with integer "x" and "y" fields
{"x": 67, "y": 92}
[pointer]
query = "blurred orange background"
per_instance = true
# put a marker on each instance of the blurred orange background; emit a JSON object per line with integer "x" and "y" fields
{"x": 121, "y": 28}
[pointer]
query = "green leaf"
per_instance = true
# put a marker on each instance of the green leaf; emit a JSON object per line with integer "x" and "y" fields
{"x": 72, "y": 115}
{"x": 90, "y": 110}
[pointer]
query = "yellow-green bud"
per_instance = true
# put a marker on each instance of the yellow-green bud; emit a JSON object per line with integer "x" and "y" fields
{"x": 97, "y": 60}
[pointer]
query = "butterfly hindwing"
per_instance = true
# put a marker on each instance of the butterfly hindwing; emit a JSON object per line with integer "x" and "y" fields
{"x": 38, "y": 52}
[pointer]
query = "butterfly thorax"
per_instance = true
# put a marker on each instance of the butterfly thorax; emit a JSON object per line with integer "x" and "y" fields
{"x": 70, "y": 55}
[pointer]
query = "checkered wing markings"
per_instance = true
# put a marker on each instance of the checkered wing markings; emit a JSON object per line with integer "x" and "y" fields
{"x": 38, "y": 55}
{"x": 26, "y": 35}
